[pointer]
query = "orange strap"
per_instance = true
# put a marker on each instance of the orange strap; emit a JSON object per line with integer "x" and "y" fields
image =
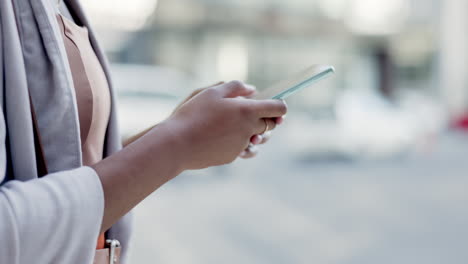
{"x": 101, "y": 243}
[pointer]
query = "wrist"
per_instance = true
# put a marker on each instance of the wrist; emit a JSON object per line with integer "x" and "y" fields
{"x": 176, "y": 142}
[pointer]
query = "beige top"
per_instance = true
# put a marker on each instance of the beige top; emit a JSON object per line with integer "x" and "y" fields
{"x": 91, "y": 88}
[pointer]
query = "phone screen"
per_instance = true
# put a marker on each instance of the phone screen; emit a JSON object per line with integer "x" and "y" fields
{"x": 304, "y": 79}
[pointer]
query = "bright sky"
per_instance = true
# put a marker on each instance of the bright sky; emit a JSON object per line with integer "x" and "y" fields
{"x": 362, "y": 16}
{"x": 125, "y": 14}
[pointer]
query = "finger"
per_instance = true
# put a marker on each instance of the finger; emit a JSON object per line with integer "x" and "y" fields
{"x": 253, "y": 92}
{"x": 249, "y": 152}
{"x": 216, "y": 84}
{"x": 199, "y": 90}
{"x": 252, "y": 95}
{"x": 264, "y": 125}
{"x": 280, "y": 120}
{"x": 256, "y": 139}
{"x": 271, "y": 124}
{"x": 265, "y": 137}
{"x": 248, "y": 155}
{"x": 235, "y": 88}
{"x": 269, "y": 108}
{"x": 194, "y": 93}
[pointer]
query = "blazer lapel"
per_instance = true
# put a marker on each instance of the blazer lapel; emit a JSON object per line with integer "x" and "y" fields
{"x": 16, "y": 108}
{"x": 50, "y": 84}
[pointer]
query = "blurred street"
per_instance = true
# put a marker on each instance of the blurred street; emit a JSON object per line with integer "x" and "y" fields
{"x": 370, "y": 165}
{"x": 283, "y": 207}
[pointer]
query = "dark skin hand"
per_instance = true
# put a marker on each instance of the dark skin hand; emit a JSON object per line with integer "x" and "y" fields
{"x": 209, "y": 129}
{"x": 250, "y": 152}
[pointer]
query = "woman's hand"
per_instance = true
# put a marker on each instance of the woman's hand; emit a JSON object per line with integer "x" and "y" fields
{"x": 195, "y": 92}
{"x": 210, "y": 129}
{"x": 217, "y": 124}
{"x": 251, "y": 150}
{"x": 135, "y": 137}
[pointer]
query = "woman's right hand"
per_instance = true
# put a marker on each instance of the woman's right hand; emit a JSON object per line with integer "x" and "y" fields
{"x": 214, "y": 126}
{"x": 210, "y": 129}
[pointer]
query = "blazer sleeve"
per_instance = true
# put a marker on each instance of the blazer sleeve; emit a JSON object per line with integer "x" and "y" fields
{"x": 55, "y": 219}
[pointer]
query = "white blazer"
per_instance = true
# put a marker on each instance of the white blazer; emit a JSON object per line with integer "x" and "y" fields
{"x": 54, "y": 219}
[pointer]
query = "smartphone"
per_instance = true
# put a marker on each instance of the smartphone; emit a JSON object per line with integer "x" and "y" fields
{"x": 297, "y": 82}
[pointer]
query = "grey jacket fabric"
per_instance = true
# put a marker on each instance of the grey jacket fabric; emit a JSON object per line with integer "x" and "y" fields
{"x": 54, "y": 219}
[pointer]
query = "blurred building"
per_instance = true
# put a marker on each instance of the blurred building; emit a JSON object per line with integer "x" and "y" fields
{"x": 405, "y": 57}
{"x": 262, "y": 41}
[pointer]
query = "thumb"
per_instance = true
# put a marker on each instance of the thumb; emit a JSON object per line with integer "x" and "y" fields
{"x": 236, "y": 88}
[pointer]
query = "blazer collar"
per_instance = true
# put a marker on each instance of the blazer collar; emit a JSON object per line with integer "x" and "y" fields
{"x": 52, "y": 91}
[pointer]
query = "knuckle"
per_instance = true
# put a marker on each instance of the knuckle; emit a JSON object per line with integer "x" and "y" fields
{"x": 237, "y": 83}
{"x": 211, "y": 90}
{"x": 245, "y": 110}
